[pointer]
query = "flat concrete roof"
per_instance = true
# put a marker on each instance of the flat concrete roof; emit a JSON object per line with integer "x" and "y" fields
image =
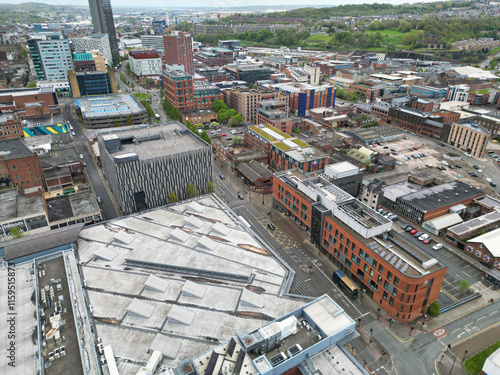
{"x": 108, "y": 105}
{"x": 153, "y": 140}
{"x": 13, "y": 206}
{"x": 201, "y": 302}
{"x": 67, "y": 206}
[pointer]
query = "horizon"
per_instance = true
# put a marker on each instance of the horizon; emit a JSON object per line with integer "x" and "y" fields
{"x": 224, "y": 4}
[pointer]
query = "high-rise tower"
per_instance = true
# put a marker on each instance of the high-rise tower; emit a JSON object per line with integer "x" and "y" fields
{"x": 179, "y": 50}
{"x": 102, "y": 19}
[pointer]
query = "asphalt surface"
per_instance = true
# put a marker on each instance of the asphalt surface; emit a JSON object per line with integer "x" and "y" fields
{"x": 107, "y": 207}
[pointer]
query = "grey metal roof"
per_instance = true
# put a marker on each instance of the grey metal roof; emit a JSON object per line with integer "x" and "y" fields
{"x": 254, "y": 170}
{"x": 43, "y": 241}
{"x": 14, "y": 149}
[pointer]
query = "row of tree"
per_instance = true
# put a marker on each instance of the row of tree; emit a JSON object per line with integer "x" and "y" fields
{"x": 225, "y": 115}
{"x": 191, "y": 192}
{"x": 198, "y": 131}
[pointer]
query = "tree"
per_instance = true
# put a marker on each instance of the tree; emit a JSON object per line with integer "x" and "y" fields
{"x": 237, "y": 140}
{"x": 371, "y": 124}
{"x": 31, "y": 84}
{"x": 204, "y": 135}
{"x": 117, "y": 124}
{"x": 210, "y": 187}
{"x": 147, "y": 82}
{"x": 127, "y": 66}
{"x": 218, "y": 105}
{"x": 214, "y": 124}
{"x": 132, "y": 85}
{"x": 235, "y": 120}
{"x": 16, "y": 233}
{"x": 434, "y": 309}
{"x": 129, "y": 120}
{"x": 464, "y": 285}
{"x": 191, "y": 191}
{"x": 172, "y": 198}
{"x": 175, "y": 114}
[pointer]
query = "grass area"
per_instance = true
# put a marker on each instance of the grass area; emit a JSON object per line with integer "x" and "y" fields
{"x": 300, "y": 143}
{"x": 320, "y": 38}
{"x": 494, "y": 51}
{"x": 385, "y": 32}
{"x": 282, "y": 146}
{"x": 475, "y": 363}
{"x": 142, "y": 96}
{"x": 484, "y": 91}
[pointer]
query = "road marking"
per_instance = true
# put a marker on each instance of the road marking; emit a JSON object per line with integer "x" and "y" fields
{"x": 458, "y": 329}
{"x": 481, "y": 318}
{"x": 467, "y": 274}
{"x": 463, "y": 333}
{"x": 440, "y": 333}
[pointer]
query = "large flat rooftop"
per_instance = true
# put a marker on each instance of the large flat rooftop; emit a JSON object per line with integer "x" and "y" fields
{"x": 13, "y": 206}
{"x": 180, "y": 278}
{"x": 108, "y": 106}
{"x": 151, "y": 141}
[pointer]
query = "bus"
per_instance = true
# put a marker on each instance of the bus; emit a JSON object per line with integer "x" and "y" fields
{"x": 157, "y": 116}
{"x": 244, "y": 221}
{"x": 346, "y": 284}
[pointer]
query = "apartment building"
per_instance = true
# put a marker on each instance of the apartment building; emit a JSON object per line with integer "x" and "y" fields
{"x": 361, "y": 242}
{"x": 179, "y": 51}
{"x": 416, "y": 121}
{"x": 215, "y": 56}
{"x": 201, "y": 28}
{"x": 248, "y": 72}
{"x": 213, "y": 74}
{"x": 145, "y": 63}
{"x": 153, "y": 42}
{"x": 10, "y": 126}
{"x": 470, "y": 137}
{"x": 274, "y": 113}
{"x": 51, "y": 56}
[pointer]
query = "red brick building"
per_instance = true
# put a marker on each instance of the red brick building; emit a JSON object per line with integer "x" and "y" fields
{"x": 10, "y": 126}
{"x": 382, "y": 268}
{"x": 22, "y": 167}
{"x": 421, "y": 104}
{"x": 416, "y": 121}
{"x": 41, "y": 102}
{"x": 179, "y": 50}
{"x": 273, "y": 112}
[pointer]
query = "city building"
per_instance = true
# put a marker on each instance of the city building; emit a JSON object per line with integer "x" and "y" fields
{"x": 461, "y": 232}
{"x": 10, "y": 126}
{"x": 274, "y": 113}
{"x": 102, "y": 19}
{"x": 22, "y": 167}
{"x": 51, "y": 56}
{"x": 303, "y": 98}
{"x": 186, "y": 94}
{"x": 92, "y": 42}
{"x": 484, "y": 249}
{"x": 368, "y": 136}
{"x": 145, "y": 63}
{"x": 329, "y": 118}
{"x": 427, "y": 92}
{"x": 468, "y": 136}
{"x": 154, "y": 42}
{"x": 346, "y": 176}
{"x": 213, "y": 74}
{"x": 179, "y": 51}
{"x": 372, "y": 193}
{"x": 83, "y": 62}
{"x": 199, "y": 116}
{"x": 230, "y": 44}
{"x": 214, "y": 56}
{"x": 249, "y": 72}
{"x": 256, "y": 176}
{"x": 399, "y": 277}
{"x": 368, "y": 90}
{"x": 144, "y": 164}
{"x": 29, "y": 102}
{"x": 92, "y": 83}
{"x": 216, "y": 29}
{"x": 415, "y": 121}
{"x": 421, "y": 205}
{"x": 158, "y": 26}
{"x": 490, "y": 123}
{"x": 245, "y": 101}
{"x": 285, "y": 152}
{"x": 110, "y": 110}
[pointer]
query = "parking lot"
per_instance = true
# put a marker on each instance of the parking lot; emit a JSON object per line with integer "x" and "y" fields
{"x": 433, "y": 158}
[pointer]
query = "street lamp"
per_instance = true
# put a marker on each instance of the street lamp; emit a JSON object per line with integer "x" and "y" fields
{"x": 453, "y": 364}
{"x": 463, "y": 360}
{"x": 378, "y": 311}
{"x": 411, "y": 330}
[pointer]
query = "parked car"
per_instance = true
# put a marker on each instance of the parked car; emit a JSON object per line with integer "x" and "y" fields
{"x": 221, "y": 176}
{"x": 404, "y": 226}
{"x": 428, "y": 165}
{"x": 437, "y": 246}
{"x": 99, "y": 200}
{"x": 418, "y": 234}
{"x": 475, "y": 166}
{"x": 413, "y": 231}
{"x": 441, "y": 144}
{"x": 423, "y": 237}
{"x": 458, "y": 166}
{"x": 81, "y": 156}
{"x": 409, "y": 229}
{"x": 271, "y": 226}
{"x": 451, "y": 166}
{"x": 493, "y": 184}
{"x": 488, "y": 179}
{"x": 240, "y": 196}
{"x": 428, "y": 240}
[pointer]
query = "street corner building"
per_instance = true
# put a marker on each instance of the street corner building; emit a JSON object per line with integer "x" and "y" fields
{"x": 145, "y": 163}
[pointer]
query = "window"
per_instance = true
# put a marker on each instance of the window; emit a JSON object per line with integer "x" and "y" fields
{"x": 341, "y": 248}
{"x": 353, "y": 246}
{"x": 361, "y": 275}
{"x": 348, "y": 244}
{"x": 336, "y": 233}
{"x": 386, "y": 284}
{"x": 341, "y": 237}
{"x": 389, "y": 275}
{"x": 379, "y": 280}
{"x": 380, "y": 269}
{"x": 396, "y": 281}
{"x": 348, "y": 263}
{"x": 373, "y": 285}
{"x": 326, "y": 244}
{"x": 402, "y": 297}
{"x": 391, "y": 301}
{"x": 371, "y": 272}
{"x": 384, "y": 296}
{"x": 407, "y": 286}
{"x": 366, "y": 267}
{"x": 362, "y": 254}
{"x": 14, "y": 167}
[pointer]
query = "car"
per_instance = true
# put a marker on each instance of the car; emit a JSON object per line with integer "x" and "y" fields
{"x": 271, "y": 226}
{"x": 413, "y": 231}
{"x": 394, "y": 153}
{"x": 221, "y": 176}
{"x": 409, "y": 229}
{"x": 488, "y": 179}
{"x": 81, "y": 156}
{"x": 475, "y": 166}
{"x": 460, "y": 176}
{"x": 479, "y": 171}
{"x": 424, "y": 155}
{"x": 392, "y": 149}
{"x": 490, "y": 152}
{"x": 229, "y": 138}
{"x": 451, "y": 166}
{"x": 444, "y": 162}
{"x": 437, "y": 246}
{"x": 428, "y": 240}
{"x": 493, "y": 184}
{"x": 224, "y": 134}
{"x": 84, "y": 165}
{"x": 441, "y": 144}
{"x": 73, "y": 134}
{"x": 458, "y": 166}
{"x": 443, "y": 168}
{"x": 428, "y": 165}
{"x": 386, "y": 147}
{"x": 474, "y": 175}
{"x": 148, "y": 92}
{"x": 404, "y": 226}
{"x": 99, "y": 200}
{"x": 423, "y": 237}
{"x": 418, "y": 234}
{"x": 466, "y": 154}
{"x": 415, "y": 148}
{"x": 240, "y": 196}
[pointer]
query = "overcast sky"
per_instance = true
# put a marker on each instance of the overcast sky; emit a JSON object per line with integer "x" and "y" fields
{"x": 213, "y": 3}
